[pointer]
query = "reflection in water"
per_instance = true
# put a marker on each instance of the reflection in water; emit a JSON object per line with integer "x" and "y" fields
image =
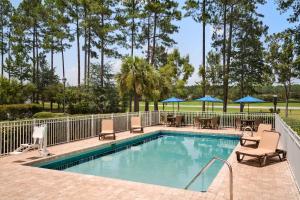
{"x": 170, "y": 160}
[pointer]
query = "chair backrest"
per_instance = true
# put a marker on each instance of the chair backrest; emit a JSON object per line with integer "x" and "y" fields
{"x": 263, "y": 127}
{"x": 196, "y": 119}
{"x": 257, "y": 122}
{"x": 269, "y": 140}
{"x": 238, "y": 122}
{"x": 136, "y": 121}
{"x": 215, "y": 121}
{"x": 39, "y": 134}
{"x": 163, "y": 118}
{"x": 179, "y": 119}
{"x": 107, "y": 124}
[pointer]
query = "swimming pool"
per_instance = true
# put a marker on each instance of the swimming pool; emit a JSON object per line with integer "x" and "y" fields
{"x": 162, "y": 158}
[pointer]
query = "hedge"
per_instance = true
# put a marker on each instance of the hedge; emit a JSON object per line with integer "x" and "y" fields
{"x": 44, "y": 115}
{"x": 18, "y": 111}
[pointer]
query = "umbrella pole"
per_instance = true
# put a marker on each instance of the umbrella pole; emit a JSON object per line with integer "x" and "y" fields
{"x": 163, "y": 106}
{"x": 173, "y": 107}
{"x": 212, "y": 107}
{"x": 178, "y": 106}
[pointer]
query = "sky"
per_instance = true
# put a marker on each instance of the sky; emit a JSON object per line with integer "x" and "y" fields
{"x": 189, "y": 42}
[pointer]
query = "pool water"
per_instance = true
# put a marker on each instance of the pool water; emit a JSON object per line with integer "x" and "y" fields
{"x": 163, "y": 158}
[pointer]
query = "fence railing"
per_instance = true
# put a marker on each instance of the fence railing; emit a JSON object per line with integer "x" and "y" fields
{"x": 66, "y": 129}
{"x": 290, "y": 141}
{"x": 227, "y": 120}
{"x": 73, "y": 128}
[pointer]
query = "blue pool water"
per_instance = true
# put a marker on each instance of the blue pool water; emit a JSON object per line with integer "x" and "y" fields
{"x": 162, "y": 158}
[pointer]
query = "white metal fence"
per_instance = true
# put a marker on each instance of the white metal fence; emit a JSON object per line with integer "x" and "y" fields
{"x": 290, "y": 141}
{"x": 66, "y": 129}
{"x": 73, "y": 128}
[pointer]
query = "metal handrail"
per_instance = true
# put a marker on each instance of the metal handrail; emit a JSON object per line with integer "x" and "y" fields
{"x": 207, "y": 166}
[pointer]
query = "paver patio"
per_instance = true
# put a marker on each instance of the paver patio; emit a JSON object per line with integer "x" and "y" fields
{"x": 18, "y": 181}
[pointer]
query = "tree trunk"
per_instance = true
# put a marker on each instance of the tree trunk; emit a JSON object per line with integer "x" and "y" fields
{"x": 37, "y": 64}
{"x": 226, "y": 86}
{"x": 224, "y": 60}
{"x": 102, "y": 54}
{"x": 287, "y": 91}
{"x": 130, "y": 103}
{"x": 89, "y": 56}
{"x": 62, "y": 58}
{"x": 203, "y": 53}
{"x": 132, "y": 28}
{"x": 2, "y": 46}
{"x": 154, "y": 40}
{"x": 146, "y": 105}
{"x": 33, "y": 56}
{"x": 85, "y": 56}
{"x": 78, "y": 45}
{"x": 136, "y": 101}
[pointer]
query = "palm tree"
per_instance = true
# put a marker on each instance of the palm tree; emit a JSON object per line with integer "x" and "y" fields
{"x": 136, "y": 78}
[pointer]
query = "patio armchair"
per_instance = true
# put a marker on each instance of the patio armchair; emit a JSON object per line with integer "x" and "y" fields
{"x": 197, "y": 122}
{"x": 257, "y": 122}
{"x": 238, "y": 123}
{"x": 215, "y": 122}
{"x": 136, "y": 124}
{"x": 257, "y": 135}
{"x": 178, "y": 121}
{"x": 107, "y": 128}
{"x": 267, "y": 148}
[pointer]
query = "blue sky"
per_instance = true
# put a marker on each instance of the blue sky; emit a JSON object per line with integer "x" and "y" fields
{"x": 188, "y": 40}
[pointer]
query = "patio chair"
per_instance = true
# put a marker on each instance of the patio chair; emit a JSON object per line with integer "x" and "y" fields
{"x": 39, "y": 138}
{"x": 164, "y": 120}
{"x": 197, "y": 122}
{"x": 107, "y": 128}
{"x": 267, "y": 148}
{"x": 136, "y": 124}
{"x": 257, "y": 122}
{"x": 256, "y": 136}
{"x": 178, "y": 121}
{"x": 238, "y": 123}
{"x": 215, "y": 122}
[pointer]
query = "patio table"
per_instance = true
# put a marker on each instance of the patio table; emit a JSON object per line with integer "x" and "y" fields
{"x": 206, "y": 122}
{"x": 248, "y": 122}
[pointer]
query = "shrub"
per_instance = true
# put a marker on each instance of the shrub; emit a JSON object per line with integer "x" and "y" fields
{"x": 82, "y": 107}
{"x": 47, "y": 115}
{"x": 18, "y": 111}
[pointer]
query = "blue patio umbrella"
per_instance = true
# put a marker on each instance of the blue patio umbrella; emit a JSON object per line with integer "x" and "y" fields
{"x": 172, "y": 100}
{"x": 209, "y": 99}
{"x": 249, "y": 99}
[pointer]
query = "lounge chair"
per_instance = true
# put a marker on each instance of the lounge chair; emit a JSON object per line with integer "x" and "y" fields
{"x": 39, "y": 136}
{"x": 238, "y": 123}
{"x": 197, "y": 122}
{"x": 215, "y": 122}
{"x": 107, "y": 128}
{"x": 136, "y": 123}
{"x": 256, "y": 136}
{"x": 267, "y": 148}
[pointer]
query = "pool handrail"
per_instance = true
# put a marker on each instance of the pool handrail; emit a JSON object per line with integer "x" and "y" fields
{"x": 203, "y": 169}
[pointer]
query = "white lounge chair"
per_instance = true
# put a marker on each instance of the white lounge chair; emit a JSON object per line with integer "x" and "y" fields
{"x": 39, "y": 136}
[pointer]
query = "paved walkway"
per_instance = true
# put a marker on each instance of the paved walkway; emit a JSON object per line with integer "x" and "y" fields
{"x": 25, "y": 182}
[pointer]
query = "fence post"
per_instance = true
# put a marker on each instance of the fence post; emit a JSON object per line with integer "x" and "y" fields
{"x": 127, "y": 120}
{"x": 68, "y": 129}
{"x": 150, "y": 117}
{"x": 93, "y": 133}
{"x": 158, "y": 117}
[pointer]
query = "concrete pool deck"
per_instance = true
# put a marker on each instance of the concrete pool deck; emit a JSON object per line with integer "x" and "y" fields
{"x": 18, "y": 181}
